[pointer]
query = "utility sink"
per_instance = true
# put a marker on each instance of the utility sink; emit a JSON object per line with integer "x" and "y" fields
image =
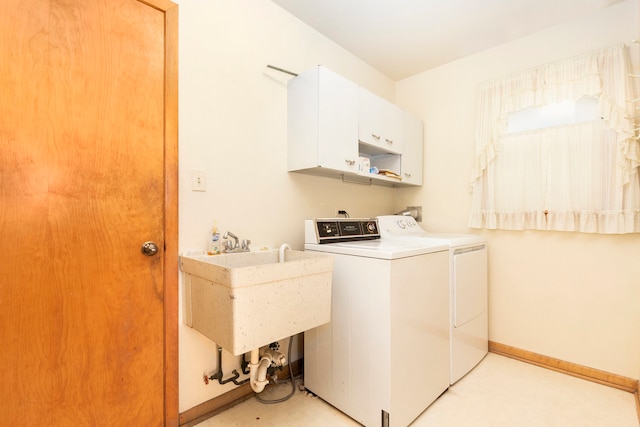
{"x": 243, "y": 301}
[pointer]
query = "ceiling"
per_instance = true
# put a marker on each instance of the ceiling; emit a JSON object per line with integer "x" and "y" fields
{"x": 401, "y": 38}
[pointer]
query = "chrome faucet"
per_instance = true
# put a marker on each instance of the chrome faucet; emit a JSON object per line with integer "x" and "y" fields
{"x": 234, "y": 246}
{"x": 234, "y": 237}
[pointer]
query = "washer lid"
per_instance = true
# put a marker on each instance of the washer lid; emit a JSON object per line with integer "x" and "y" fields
{"x": 380, "y": 249}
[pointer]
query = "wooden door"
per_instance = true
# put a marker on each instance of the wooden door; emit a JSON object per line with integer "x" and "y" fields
{"x": 88, "y": 163}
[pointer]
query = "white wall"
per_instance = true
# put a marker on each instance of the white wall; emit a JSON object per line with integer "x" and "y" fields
{"x": 233, "y": 125}
{"x": 571, "y": 296}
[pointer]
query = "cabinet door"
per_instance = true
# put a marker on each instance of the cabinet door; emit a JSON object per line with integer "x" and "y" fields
{"x": 337, "y": 122}
{"x": 411, "y": 169}
{"x": 379, "y": 122}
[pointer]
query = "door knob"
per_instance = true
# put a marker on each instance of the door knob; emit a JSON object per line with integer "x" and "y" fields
{"x": 149, "y": 248}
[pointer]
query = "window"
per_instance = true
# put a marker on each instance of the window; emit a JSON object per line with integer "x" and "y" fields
{"x": 562, "y": 113}
{"x": 556, "y": 149}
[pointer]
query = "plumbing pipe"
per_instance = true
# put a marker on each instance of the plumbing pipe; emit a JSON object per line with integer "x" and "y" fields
{"x": 259, "y": 366}
{"x": 410, "y": 211}
{"x": 261, "y": 380}
{"x": 282, "y": 249}
{"x": 293, "y": 382}
{"x": 219, "y": 374}
{"x": 278, "y": 358}
{"x": 258, "y": 370}
{"x": 253, "y": 369}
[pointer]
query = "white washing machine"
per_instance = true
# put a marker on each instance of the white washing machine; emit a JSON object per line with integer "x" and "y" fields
{"x": 468, "y": 288}
{"x": 384, "y": 356}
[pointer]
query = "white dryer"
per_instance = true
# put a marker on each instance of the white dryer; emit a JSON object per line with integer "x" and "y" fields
{"x": 383, "y": 358}
{"x": 468, "y": 289}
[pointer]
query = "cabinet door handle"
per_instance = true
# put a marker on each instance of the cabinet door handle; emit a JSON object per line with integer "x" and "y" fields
{"x": 389, "y": 141}
{"x": 375, "y": 136}
{"x": 407, "y": 175}
{"x": 350, "y": 162}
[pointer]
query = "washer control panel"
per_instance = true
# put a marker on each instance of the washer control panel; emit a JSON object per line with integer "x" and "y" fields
{"x": 334, "y": 230}
{"x": 399, "y": 225}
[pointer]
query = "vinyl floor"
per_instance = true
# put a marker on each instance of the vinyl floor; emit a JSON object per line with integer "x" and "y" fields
{"x": 499, "y": 392}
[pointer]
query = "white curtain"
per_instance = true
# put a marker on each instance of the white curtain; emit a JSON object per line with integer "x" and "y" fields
{"x": 578, "y": 177}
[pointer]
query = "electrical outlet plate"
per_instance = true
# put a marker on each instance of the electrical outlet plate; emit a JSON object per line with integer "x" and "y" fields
{"x": 198, "y": 180}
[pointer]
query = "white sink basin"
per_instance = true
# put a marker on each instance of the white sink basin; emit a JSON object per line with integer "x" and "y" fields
{"x": 243, "y": 301}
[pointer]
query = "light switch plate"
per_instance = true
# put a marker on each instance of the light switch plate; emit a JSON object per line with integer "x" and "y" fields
{"x": 198, "y": 180}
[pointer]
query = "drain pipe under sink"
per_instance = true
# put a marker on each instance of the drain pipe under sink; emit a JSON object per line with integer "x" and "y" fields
{"x": 258, "y": 367}
{"x": 258, "y": 371}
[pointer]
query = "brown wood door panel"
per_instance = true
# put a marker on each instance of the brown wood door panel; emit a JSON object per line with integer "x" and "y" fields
{"x": 82, "y": 187}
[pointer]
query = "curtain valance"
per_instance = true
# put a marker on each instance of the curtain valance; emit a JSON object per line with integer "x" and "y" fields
{"x": 602, "y": 74}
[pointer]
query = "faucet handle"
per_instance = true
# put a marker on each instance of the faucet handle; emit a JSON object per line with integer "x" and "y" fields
{"x": 245, "y": 244}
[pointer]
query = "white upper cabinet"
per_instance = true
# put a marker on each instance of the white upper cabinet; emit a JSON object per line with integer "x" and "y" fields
{"x": 379, "y": 122}
{"x": 412, "y": 153}
{"x": 322, "y": 122}
{"x": 336, "y": 128}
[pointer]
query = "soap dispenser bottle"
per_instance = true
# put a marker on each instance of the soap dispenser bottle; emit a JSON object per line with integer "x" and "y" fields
{"x": 214, "y": 241}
